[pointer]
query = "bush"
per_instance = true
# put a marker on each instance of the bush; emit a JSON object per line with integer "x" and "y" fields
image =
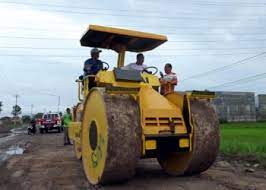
{"x": 223, "y": 121}
{"x": 26, "y": 119}
{"x": 5, "y": 123}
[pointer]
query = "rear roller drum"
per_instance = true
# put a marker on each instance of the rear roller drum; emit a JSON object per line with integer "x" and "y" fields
{"x": 205, "y": 144}
{"x": 111, "y": 138}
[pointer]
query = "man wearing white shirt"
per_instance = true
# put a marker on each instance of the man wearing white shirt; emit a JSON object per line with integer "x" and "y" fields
{"x": 138, "y": 65}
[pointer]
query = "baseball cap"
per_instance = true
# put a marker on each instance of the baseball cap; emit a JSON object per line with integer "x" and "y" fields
{"x": 95, "y": 50}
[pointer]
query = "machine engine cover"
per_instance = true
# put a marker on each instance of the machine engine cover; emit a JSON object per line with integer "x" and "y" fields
{"x": 127, "y": 76}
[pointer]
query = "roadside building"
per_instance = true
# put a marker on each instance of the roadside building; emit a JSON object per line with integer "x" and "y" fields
{"x": 235, "y": 106}
{"x": 261, "y": 109}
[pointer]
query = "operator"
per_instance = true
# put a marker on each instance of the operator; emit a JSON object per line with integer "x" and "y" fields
{"x": 67, "y": 118}
{"x": 169, "y": 80}
{"x": 138, "y": 65}
{"x": 93, "y": 65}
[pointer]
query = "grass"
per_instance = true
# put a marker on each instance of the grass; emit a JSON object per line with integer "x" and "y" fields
{"x": 244, "y": 139}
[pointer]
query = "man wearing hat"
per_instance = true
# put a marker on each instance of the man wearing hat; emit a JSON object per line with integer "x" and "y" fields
{"x": 93, "y": 65}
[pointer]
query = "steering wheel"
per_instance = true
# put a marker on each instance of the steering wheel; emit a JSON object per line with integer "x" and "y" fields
{"x": 146, "y": 70}
{"x": 106, "y": 66}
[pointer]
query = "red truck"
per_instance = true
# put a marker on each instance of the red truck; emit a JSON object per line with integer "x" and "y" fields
{"x": 50, "y": 121}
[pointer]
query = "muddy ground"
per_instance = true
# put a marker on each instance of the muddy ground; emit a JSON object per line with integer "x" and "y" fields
{"x": 4, "y": 130}
{"x": 47, "y": 164}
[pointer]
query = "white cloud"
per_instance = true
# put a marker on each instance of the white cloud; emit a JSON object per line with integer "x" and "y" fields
{"x": 26, "y": 16}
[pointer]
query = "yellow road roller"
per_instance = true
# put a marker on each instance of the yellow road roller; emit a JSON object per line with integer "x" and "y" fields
{"x": 121, "y": 117}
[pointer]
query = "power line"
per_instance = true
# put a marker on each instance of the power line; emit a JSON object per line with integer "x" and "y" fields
{"x": 166, "y": 49}
{"x": 154, "y": 55}
{"x": 242, "y": 61}
{"x": 39, "y": 38}
{"x": 132, "y": 26}
{"x": 211, "y": 49}
{"x": 125, "y": 15}
{"x": 242, "y": 80}
{"x": 227, "y": 3}
{"x": 43, "y": 93}
{"x": 79, "y": 7}
{"x": 42, "y": 48}
{"x": 215, "y": 41}
{"x": 24, "y": 28}
{"x": 247, "y": 85}
{"x": 213, "y": 34}
{"x": 177, "y": 33}
{"x": 208, "y": 3}
{"x": 126, "y": 10}
{"x": 147, "y": 16}
{"x": 180, "y": 41}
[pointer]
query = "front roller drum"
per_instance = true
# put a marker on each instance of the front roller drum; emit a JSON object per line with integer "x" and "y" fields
{"x": 111, "y": 138}
{"x": 77, "y": 149}
{"x": 78, "y": 118}
{"x": 205, "y": 142}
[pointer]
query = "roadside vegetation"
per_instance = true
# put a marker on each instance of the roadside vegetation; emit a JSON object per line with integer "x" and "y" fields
{"x": 246, "y": 140}
{"x": 7, "y": 123}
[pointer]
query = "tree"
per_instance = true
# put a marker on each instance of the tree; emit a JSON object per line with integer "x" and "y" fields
{"x": 38, "y": 115}
{"x": 1, "y": 105}
{"x": 26, "y": 119}
{"x": 16, "y": 110}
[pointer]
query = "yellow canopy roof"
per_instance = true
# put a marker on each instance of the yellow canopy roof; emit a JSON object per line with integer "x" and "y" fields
{"x": 115, "y": 38}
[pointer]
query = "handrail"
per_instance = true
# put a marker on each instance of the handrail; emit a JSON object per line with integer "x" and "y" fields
{"x": 85, "y": 90}
{"x": 88, "y": 76}
{"x": 79, "y": 91}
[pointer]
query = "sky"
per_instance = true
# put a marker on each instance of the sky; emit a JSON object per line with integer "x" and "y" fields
{"x": 216, "y": 45}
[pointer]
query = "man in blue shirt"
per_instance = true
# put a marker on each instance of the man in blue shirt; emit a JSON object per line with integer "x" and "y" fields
{"x": 93, "y": 65}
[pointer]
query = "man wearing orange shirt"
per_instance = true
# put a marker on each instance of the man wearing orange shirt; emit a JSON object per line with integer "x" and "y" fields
{"x": 169, "y": 80}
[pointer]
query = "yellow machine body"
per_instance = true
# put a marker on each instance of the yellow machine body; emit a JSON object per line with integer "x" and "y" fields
{"x": 165, "y": 121}
{"x": 159, "y": 116}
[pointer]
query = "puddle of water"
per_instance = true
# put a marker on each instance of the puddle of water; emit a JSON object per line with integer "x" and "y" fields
{"x": 13, "y": 133}
{"x": 11, "y": 136}
{"x": 3, "y": 157}
{"x": 18, "y": 131}
{"x": 15, "y": 150}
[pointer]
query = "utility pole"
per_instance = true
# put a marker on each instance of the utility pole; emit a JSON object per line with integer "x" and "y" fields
{"x": 16, "y": 96}
{"x": 31, "y": 110}
{"x": 58, "y": 105}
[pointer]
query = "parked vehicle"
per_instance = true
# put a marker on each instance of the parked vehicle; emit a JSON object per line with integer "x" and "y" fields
{"x": 31, "y": 130}
{"x": 32, "y": 127}
{"x": 50, "y": 121}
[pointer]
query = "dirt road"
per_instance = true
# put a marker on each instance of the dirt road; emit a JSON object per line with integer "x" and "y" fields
{"x": 47, "y": 164}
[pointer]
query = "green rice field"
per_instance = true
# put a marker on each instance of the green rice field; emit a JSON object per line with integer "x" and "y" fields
{"x": 244, "y": 139}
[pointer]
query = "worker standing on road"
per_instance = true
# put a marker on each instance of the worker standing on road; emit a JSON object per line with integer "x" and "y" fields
{"x": 62, "y": 121}
{"x": 67, "y": 118}
{"x": 169, "y": 80}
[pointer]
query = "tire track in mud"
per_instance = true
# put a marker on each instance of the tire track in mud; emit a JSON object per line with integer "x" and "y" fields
{"x": 47, "y": 164}
{"x": 236, "y": 179}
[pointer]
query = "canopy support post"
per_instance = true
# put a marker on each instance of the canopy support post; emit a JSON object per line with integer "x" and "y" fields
{"x": 121, "y": 59}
